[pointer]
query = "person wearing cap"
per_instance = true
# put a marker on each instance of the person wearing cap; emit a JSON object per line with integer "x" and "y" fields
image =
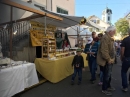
{"x": 91, "y": 49}
{"x": 78, "y": 64}
{"x": 106, "y": 58}
{"x": 125, "y": 58}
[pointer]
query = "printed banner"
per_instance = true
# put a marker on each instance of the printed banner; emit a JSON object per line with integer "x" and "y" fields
{"x": 37, "y": 32}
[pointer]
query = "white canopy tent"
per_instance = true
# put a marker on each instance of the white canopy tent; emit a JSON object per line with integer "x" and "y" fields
{"x": 72, "y": 33}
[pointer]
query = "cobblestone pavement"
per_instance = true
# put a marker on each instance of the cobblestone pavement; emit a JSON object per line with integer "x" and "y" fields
{"x": 86, "y": 89}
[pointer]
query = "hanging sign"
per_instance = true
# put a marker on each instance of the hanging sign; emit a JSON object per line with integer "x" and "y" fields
{"x": 83, "y": 21}
{"x": 37, "y": 32}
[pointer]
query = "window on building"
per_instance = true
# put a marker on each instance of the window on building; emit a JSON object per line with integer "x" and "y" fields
{"x": 93, "y": 21}
{"x": 108, "y": 18}
{"x": 98, "y": 21}
{"x": 60, "y": 10}
{"x": 90, "y": 29}
{"x": 97, "y": 30}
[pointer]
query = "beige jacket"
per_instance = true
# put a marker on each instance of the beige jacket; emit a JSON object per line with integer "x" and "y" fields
{"x": 106, "y": 51}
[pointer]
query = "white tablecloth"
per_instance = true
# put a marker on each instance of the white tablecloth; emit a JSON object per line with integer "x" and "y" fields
{"x": 15, "y": 79}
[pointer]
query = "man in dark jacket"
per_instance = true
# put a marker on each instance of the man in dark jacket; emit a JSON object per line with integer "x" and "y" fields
{"x": 78, "y": 64}
{"x": 125, "y": 58}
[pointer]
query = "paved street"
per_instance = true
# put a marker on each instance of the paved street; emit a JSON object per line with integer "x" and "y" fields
{"x": 86, "y": 89}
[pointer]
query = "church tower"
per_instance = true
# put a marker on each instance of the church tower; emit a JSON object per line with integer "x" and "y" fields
{"x": 107, "y": 15}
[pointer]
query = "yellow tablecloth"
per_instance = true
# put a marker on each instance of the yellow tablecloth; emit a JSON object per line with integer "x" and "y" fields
{"x": 56, "y": 70}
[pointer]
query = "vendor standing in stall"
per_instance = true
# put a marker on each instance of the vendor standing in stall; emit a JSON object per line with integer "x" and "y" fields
{"x": 65, "y": 44}
{"x": 91, "y": 50}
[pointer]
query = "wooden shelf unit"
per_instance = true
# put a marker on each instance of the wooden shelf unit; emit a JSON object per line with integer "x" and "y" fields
{"x": 48, "y": 47}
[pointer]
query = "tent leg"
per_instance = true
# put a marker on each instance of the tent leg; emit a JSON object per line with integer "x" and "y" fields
{"x": 45, "y": 25}
{"x": 77, "y": 37}
{"x": 11, "y": 18}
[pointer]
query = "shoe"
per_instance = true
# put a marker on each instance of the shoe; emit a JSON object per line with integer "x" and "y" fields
{"x": 79, "y": 83}
{"x": 125, "y": 89}
{"x": 107, "y": 93}
{"x": 72, "y": 82}
{"x": 100, "y": 83}
{"x": 111, "y": 89}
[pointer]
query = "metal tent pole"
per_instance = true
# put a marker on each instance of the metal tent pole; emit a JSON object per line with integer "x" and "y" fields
{"x": 45, "y": 25}
{"x": 77, "y": 37}
{"x": 11, "y": 18}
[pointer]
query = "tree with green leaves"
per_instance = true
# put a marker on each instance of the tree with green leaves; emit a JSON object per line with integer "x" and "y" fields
{"x": 122, "y": 25}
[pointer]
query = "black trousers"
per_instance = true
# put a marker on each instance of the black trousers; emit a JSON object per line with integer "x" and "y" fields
{"x": 107, "y": 71}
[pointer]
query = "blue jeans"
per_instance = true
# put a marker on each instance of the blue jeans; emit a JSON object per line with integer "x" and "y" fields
{"x": 92, "y": 66}
{"x": 101, "y": 73}
{"x": 118, "y": 51}
{"x": 101, "y": 76}
{"x": 107, "y": 71}
{"x": 79, "y": 71}
{"x": 125, "y": 67}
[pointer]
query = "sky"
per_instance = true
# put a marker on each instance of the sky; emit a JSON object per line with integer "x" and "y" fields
{"x": 95, "y": 7}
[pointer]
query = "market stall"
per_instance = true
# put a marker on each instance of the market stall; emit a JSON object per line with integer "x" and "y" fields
{"x": 42, "y": 31}
{"x": 15, "y": 76}
{"x": 55, "y": 63}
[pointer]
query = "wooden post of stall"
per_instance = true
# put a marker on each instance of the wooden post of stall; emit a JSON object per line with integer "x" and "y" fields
{"x": 45, "y": 25}
{"x": 11, "y": 19}
{"x": 77, "y": 38}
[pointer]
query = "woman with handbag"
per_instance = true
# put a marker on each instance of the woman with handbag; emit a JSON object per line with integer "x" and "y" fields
{"x": 91, "y": 50}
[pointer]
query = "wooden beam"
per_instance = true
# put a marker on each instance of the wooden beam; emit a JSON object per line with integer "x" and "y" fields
{"x": 20, "y": 6}
{"x": 24, "y": 19}
{"x": 54, "y": 17}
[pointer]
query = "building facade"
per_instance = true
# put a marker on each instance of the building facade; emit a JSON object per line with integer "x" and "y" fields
{"x": 57, "y": 6}
{"x": 62, "y": 6}
{"x": 99, "y": 22}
